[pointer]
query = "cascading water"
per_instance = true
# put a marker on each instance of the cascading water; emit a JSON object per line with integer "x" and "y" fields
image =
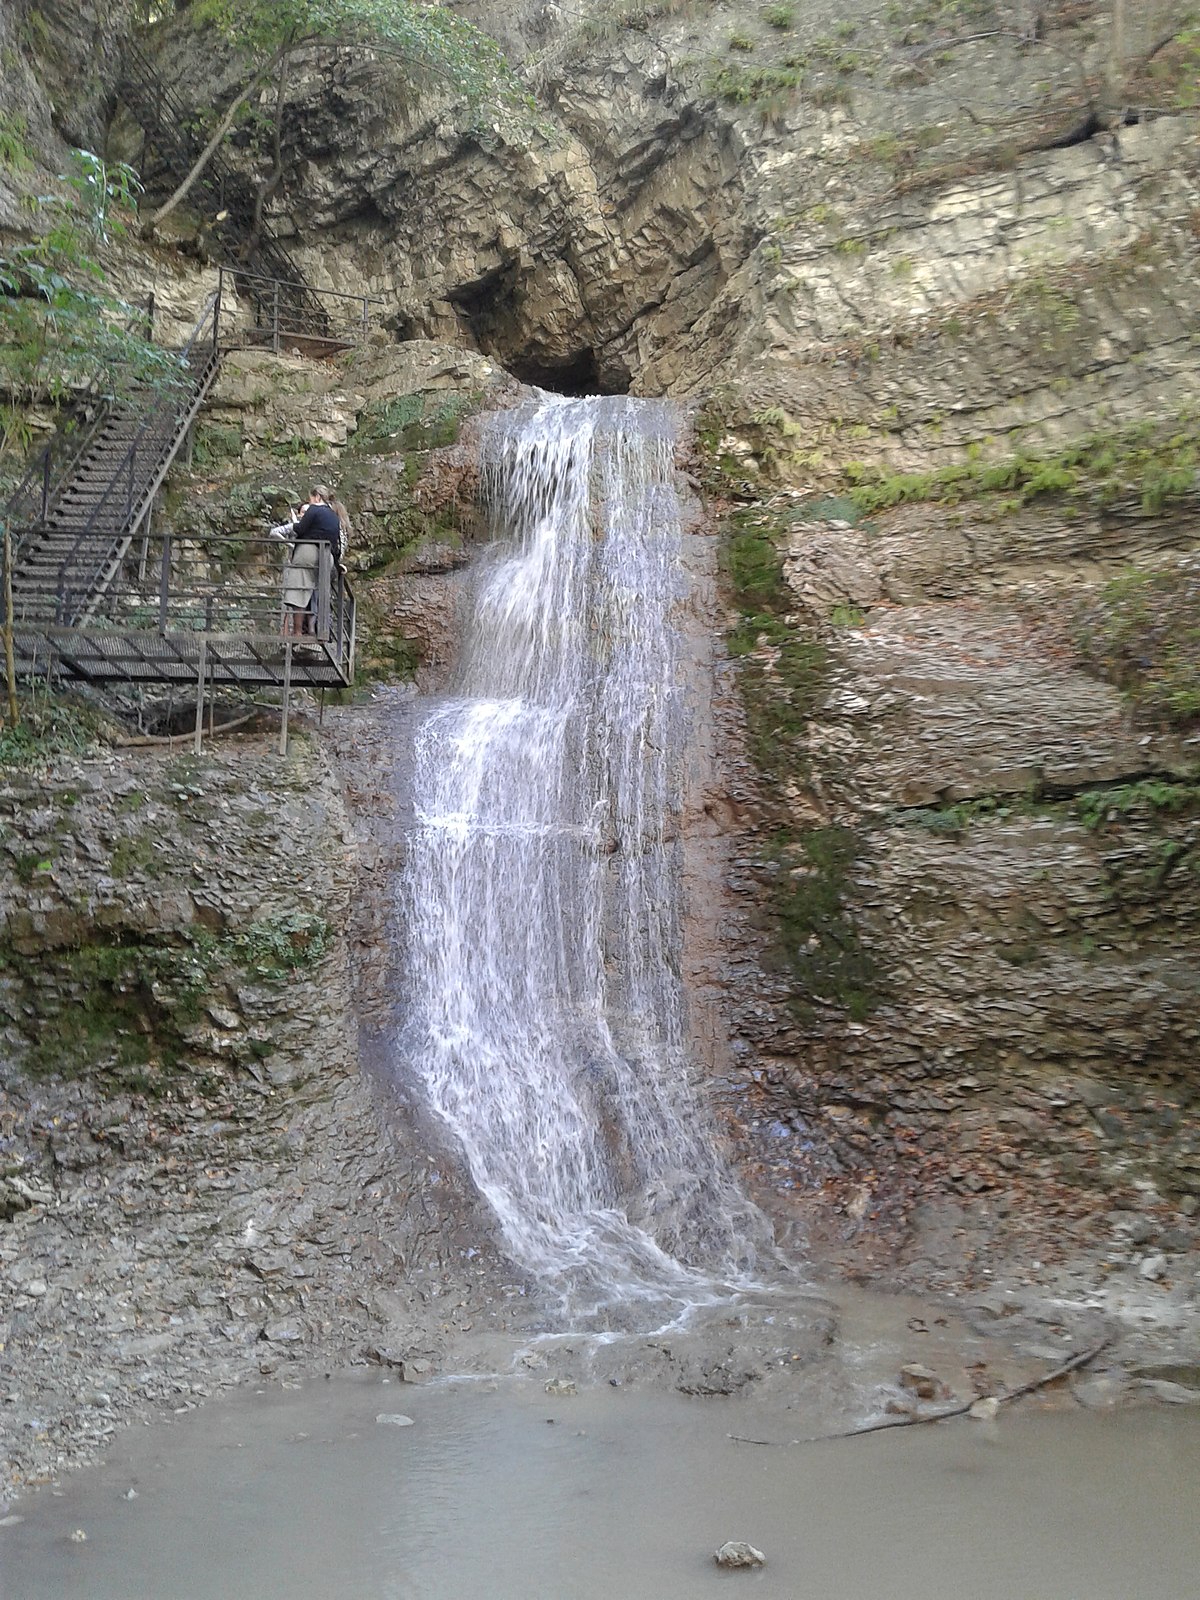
{"x": 542, "y": 883}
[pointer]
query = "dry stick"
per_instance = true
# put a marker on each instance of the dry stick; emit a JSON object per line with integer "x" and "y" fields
{"x": 1079, "y": 1360}
{"x": 143, "y": 741}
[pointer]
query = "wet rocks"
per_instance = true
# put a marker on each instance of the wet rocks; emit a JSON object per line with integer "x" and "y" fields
{"x": 922, "y": 1383}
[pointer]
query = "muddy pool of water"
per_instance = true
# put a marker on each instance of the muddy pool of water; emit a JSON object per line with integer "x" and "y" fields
{"x": 502, "y": 1492}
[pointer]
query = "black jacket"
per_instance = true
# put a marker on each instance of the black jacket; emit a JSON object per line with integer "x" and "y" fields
{"x": 319, "y": 524}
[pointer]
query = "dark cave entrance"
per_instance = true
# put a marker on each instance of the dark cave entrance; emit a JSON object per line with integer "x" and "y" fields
{"x": 579, "y": 375}
{"x": 488, "y": 307}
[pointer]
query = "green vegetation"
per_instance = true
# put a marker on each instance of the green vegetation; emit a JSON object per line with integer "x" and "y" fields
{"x": 412, "y": 422}
{"x": 847, "y": 617}
{"x": 783, "y": 670}
{"x": 782, "y": 17}
{"x": 742, "y": 85}
{"x": 432, "y": 45}
{"x": 15, "y": 151}
{"x": 216, "y": 442}
{"x": 954, "y": 821}
{"x": 60, "y": 327}
{"x": 1143, "y": 634}
{"x": 1173, "y": 75}
{"x": 739, "y": 41}
{"x": 817, "y": 940}
{"x": 53, "y": 729}
{"x": 124, "y": 1007}
{"x": 899, "y": 149}
{"x": 1150, "y": 797}
{"x": 920, "y": 18}
{"x": 1102, "y": 468}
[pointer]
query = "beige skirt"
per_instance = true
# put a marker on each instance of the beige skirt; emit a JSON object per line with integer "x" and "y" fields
{"x": 300, "y": 575}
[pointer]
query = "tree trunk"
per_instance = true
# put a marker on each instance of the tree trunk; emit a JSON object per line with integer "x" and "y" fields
{"x": 10, "y": 666}
{"x": 1118, "y": 46}
{"x": 271, "y": 182}
{"x": 211, "y": 147}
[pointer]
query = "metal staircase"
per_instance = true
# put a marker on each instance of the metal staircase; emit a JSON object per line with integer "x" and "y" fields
{"x": 84, "y": 600}
{"x": 65, "y": 557}
{"x": 264, "y": 268}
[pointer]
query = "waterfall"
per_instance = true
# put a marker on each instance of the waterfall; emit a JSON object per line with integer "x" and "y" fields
{"x": 541, "y": 891}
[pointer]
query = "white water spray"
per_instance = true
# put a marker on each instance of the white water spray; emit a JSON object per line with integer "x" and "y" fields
{"x": 542, "y": 884}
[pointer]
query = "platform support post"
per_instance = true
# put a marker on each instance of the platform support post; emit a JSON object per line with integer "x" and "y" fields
{"x": 200, "y": 671}
{"x": 287, "y": 695}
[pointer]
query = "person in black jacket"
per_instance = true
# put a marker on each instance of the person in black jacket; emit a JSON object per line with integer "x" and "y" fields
{"x": 318, "y": 524}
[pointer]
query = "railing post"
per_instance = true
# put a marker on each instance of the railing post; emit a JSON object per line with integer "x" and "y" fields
{"x": 216, "y": 338}
{"x": 202, "y": 668}
{"x": 366, "y": 318}
{"x": 46, "y": 482}
{"x": 287, "y": 695}
{"x": 275, "y": 319}
{"x": 324, "y": 573}
{"x": 164, "y": 584}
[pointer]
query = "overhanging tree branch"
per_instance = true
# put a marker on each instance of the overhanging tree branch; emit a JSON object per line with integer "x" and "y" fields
{"x": 211, "y": 148}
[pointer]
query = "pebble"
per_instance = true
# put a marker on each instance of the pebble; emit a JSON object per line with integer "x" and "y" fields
{"x": 1153, "y": 1267}
{"x": 394, "y": 1419}
{"x": 924, "y": 1384}
{"x": 736, "y": 1553}
{"x": 985, "y": 1409}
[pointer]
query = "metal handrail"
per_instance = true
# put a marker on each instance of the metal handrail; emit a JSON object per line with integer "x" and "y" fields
{"x": 332, "y": 294}
{"x": 228, "y": 187}
{"x": 174, "y": 598}
{"x": 275, "y": 319}
{"x": 44, "y": 481}
{"x": 126, "y": 475}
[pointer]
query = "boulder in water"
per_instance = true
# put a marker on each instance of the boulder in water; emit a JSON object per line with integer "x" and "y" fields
{"x": 736, "y": 1553}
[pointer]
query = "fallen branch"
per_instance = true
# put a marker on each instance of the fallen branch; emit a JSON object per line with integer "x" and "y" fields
{"x": 1074, "y": 1362}
{"x": 145, "y": 740}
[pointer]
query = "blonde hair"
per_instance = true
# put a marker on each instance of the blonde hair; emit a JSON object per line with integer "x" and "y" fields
{"x": 319, "y": 493}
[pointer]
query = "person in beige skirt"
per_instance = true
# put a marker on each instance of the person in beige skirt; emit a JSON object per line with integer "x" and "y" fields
{"x": 319, "y": 524}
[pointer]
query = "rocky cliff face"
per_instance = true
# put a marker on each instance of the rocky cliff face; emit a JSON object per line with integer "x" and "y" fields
{"x": 928, "y": 276}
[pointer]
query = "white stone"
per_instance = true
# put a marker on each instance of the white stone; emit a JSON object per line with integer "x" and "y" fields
{"x": 736, "y": 1553}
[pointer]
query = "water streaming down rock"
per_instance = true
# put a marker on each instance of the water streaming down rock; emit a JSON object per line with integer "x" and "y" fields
{"x": 543, "y": 880}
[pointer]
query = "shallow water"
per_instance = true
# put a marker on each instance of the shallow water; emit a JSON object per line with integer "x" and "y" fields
{"x": 624, "y": 1496}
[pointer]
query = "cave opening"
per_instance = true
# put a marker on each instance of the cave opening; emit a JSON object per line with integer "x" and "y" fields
{"x": 489, "y": 309}
{"x": 579, "y": 375}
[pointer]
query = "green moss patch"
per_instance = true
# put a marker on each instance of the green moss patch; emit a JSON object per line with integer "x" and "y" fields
{"x": 784, "y": 666}
{"x": 1143, "y": 634}
{"x": 49, "y": 730}
{"x": 412, "y": 422}
{"x": 1150, "y": 798}
{"x": 123, "y": 1007}
{"x": 816, "y": 940}
{"x": 1158, "y": 469}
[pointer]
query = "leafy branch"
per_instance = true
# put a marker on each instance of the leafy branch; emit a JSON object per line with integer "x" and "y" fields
{"x": 60, "y": 326}
{"x": 431, "y": 43}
